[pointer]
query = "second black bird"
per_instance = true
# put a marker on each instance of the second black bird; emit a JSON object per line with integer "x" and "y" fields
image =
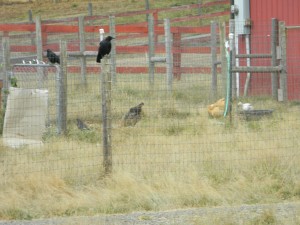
{"x": 52, "y": 57}
{"x": 104, "y": 48}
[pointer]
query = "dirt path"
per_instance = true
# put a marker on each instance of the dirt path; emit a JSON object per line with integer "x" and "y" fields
{"x": 282, "y": 213}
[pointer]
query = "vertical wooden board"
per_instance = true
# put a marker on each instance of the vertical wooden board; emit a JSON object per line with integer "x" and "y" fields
{"x": 1, "y": 86}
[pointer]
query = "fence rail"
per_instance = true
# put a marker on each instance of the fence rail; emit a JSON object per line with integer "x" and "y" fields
{"x": 44, "y": 35}
{"x": 179, "y": 79}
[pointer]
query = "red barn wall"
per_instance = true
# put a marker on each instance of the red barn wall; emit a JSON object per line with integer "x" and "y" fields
{"x": 261, "y": 13}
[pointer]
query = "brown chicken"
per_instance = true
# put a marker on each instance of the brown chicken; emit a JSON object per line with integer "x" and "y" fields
{"x": 216, "y": 110}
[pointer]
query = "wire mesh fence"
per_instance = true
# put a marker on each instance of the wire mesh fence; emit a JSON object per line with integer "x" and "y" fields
{"x": 173, "y": 133}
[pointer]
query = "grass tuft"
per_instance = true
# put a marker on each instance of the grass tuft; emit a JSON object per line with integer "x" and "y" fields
{"x": 267, "y": 217}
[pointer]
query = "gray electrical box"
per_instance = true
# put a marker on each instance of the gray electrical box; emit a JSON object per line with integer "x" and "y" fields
{"x": 241, "y": 10}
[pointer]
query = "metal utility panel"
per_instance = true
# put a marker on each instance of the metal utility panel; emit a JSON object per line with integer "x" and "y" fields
{"x": 241, "y": 10}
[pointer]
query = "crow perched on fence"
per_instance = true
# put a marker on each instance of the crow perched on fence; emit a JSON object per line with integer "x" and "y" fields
{"x": 52, "y": 57}
{"x": 133, "y": 115}
{"x": 104, "y": 48}
{"x": 81, "y": 125}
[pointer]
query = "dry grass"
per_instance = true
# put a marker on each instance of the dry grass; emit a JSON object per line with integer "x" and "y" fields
{"x": 176, "y": 157}
{"x": 18, "y": 11}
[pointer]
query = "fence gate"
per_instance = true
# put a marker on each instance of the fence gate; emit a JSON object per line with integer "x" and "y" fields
{"x": 278, "y": 62}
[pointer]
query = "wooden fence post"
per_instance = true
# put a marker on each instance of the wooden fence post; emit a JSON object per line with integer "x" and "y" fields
{"x": 6, "y": 66}
{"x": 39, "y": 50}
{"x": 274, "y": 44}
{"x": 168, "y": 46}
{"x": 155, "y": 22}
{"x": 177, "y": 55}
{"x": 106, "y": 115}
{"x": 151, "y": 49}
{"x": 112, "y": 32}
{"x": 30, "y": 16}
{"x": 214, "y": 78}
{"x": 283, "y": 74}
{"x": 31, "y": 21}
{"x": 147, "y": 7}
{"x": 82, "y": 49}
{"x": 39, "y": 39}
{"x": 1, "y": 86}
{"x": 248, "y": 60}
{"x": 61, "y": 79}
{"x": 199, "y": 7}
{"x": 90, "y": 9}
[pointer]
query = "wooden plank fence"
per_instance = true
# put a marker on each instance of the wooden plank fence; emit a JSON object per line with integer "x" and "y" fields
{"x": 42, "y": 31}
{"x": 48, "y": 29}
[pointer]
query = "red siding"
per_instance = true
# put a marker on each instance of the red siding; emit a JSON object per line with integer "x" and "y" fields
{"x": 261, "y": 13}
{"x": 286, "y": 10}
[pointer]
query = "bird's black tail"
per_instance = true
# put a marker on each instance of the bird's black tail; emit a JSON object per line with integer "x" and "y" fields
{"x": 99, "y": 57}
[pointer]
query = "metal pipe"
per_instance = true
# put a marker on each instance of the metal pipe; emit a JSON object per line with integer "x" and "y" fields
{"x": 232, "y": 13}
{"x": 248, "y": 64}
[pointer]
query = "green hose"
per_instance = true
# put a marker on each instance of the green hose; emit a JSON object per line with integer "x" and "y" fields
{"x": 228, "y": 84}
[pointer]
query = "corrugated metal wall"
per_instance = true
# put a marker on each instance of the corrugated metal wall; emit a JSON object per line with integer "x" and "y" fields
{"x": 261, "y": 13}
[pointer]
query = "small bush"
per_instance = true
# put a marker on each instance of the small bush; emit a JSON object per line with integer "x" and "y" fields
{"x": 267, "y": 217}
{"x": 173, "y": 130}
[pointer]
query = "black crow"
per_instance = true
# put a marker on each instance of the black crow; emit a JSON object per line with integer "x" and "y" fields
{"x": 81, "y": 125}
{"x": 52, "y": 57}
{"x": 104, "y": 48}
{"x": 133, "y": 115}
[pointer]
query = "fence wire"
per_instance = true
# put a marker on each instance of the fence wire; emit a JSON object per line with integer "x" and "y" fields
{"x": 174, "y": 132}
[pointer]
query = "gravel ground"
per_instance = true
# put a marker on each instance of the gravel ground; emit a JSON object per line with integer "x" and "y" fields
{"x": 283, "y": 213}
